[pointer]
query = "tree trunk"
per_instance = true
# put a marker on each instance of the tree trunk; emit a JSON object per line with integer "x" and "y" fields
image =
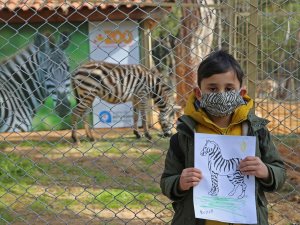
{"x": 195, "y": 42}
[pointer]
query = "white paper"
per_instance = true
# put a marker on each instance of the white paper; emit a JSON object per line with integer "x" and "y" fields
{"x": 215, "y": 197}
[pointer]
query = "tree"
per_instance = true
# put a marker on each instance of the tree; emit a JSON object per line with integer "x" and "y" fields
{"x": 194, "y": 42}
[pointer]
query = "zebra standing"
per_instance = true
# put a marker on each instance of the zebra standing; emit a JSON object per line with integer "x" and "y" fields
{"x": 116, "y": 83}
{"x": 29, "y": 77}
{"x": 217, "y": 165}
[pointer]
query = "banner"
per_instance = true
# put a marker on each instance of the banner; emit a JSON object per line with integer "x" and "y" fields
{"x": 115, "y": 42}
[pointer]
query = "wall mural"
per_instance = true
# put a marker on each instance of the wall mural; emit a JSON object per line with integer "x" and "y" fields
{"x": 35, "y": 66}
{"x": 36, "y": 63}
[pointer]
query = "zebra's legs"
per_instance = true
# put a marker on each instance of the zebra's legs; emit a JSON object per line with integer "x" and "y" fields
{"x": 234, "y": 180}
{"x": 233, "y": 190}
{"x": 143, "y": 107}
{"x": 145, "y": 125}
{"x": 87, "y": 128}
{"x": 87, "y": 104}
{"x": 242, "y": 195}
{"x": 137, "y": 104}
{"x": 78, "y": 112}
{"x": 75, "y": 117}
{"x": 135, "y": 120}
{"x": 237, "y": 179}
{"x": 214, "y": 180}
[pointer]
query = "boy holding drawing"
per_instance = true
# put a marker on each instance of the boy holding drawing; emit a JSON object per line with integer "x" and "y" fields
{"x": 219, "y": 105}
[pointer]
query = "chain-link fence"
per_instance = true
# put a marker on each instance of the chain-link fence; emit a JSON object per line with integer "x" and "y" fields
{"x": 46, "y": 178}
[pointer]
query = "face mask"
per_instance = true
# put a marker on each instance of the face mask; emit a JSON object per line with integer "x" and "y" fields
{"x": 221, "y": 104}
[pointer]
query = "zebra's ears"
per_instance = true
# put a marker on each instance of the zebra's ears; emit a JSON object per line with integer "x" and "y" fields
{"x": 64, "y": 41}
{"x": 42, "y": 42}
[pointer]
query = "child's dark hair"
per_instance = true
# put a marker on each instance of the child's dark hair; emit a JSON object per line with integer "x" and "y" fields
{"x": 219, "y": 62}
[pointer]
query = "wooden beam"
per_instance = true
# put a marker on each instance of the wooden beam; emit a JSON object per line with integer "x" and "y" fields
{"x": 85, "y": 14}
{"x": 252, "y": 67}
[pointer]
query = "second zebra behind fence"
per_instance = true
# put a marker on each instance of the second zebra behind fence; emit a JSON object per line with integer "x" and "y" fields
{"x": 116, "y": 83}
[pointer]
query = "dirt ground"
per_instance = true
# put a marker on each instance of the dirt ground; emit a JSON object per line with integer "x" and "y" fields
{"x": 284, "y": 207}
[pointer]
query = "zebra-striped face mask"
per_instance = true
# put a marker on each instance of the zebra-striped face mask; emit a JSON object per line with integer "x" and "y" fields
{"x": 221, "y": 104}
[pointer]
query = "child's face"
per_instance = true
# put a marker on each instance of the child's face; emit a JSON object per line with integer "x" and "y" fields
{"x": 222, "y": 82}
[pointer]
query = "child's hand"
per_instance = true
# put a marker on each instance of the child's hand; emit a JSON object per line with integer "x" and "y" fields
{"x": 189, "y": 177}
{"x": 253, "y": 165}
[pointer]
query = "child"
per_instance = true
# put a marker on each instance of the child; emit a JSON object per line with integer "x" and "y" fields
{"x": 219, "y": 105}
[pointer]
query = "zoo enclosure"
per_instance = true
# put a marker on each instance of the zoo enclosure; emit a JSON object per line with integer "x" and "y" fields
{"x": 262, "y": 35}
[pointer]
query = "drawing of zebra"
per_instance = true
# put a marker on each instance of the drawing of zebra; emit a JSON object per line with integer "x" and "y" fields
{"x": 116, "y": 83}
{"x": 30, "y": 76}
{"x": 217, "y": 165}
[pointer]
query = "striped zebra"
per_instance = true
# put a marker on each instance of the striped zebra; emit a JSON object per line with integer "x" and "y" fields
{"x": 217, "y": 165}
{"x": 116, "y": 83}
{"x": 26, "y": 79}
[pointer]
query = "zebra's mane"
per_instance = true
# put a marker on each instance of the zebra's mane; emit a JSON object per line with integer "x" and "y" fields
{"x": 216, "y": 147}
{"x": 26, "y": 48}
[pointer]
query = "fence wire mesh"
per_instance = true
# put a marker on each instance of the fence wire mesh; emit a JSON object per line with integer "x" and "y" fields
{"x": 46, "y": 178}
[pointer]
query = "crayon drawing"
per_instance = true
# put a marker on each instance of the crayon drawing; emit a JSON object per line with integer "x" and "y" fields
{"x": 224, "y": 193}
{"x": 219, "y": 166}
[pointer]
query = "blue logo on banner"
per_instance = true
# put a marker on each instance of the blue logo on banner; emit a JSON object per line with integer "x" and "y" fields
{"x": 105, "y": 117}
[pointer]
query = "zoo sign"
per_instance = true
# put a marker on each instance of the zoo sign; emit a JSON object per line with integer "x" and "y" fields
{"x": 116, "y": 42}
{"x": 114, "y": 37}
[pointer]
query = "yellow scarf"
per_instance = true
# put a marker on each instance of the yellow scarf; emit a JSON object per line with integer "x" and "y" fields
{"x": 205, "y": 125}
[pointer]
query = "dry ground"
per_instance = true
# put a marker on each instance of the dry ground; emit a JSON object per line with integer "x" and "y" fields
{"x": 284, "y": 206}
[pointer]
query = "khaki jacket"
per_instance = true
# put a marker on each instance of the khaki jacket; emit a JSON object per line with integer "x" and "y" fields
{"x": 181, "y": 155}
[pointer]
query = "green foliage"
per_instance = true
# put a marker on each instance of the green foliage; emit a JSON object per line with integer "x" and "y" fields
{"x": 163, "y": 40}
{"x": 169, "y": 24}
{"x": 278, "y": 43}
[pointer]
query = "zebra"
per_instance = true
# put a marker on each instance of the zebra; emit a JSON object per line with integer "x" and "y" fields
{"x": 116, "y": 83}
{"x": 217, "y": 165}
{"x": 30, "y": 76}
